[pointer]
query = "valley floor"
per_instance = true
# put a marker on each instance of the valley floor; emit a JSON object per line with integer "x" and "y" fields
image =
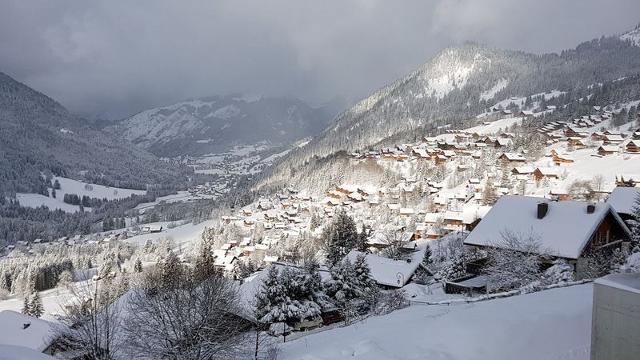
{"x": 551, "y": 325}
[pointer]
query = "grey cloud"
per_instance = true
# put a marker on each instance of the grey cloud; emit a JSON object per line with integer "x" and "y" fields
{"x": 112, "y": 58}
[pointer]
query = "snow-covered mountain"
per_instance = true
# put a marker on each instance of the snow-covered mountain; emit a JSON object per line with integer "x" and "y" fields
{"x": 454, "y": 87}
{"x": 215, "y": 124}
{"x": 39, "y": 136}
{"x": 633, "y": 36}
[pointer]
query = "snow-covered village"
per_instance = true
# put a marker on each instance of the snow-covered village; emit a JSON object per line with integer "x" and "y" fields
{"x": 472, "y": 203}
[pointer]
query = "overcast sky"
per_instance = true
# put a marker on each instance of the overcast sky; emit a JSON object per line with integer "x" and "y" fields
{"x": 116, "y": 57}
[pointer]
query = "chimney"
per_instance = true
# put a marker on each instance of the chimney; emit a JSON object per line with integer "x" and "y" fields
{"x": 591, "y": 208}
{"x": 543, "y": 207}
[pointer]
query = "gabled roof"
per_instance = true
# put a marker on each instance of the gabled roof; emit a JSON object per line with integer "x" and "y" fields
{"x": 24, "y": 331}
{"x": 608, "y": 148}
{"x": 548, "y": 171}
{"x": 513, "y": 157}
{"x": 524, "y": 169}
{"x": 564, "y": 231}
{"x": 389, "y": 272}
{"x": 623, "y": 199}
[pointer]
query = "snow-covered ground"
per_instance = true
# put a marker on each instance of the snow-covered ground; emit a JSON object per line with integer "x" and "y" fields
{"x": 70, "y": 186}
{"x": 37, "y": 200}
{"x": 551, "y": 325}
{"x": 181, "y": 236}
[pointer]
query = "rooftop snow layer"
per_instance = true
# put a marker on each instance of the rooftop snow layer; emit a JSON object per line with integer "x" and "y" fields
{"x": 15, "y": 331}
{"x": 623, "y": 199}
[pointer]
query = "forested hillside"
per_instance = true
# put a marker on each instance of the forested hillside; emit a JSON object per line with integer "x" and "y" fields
{"x": 39, "y": 137}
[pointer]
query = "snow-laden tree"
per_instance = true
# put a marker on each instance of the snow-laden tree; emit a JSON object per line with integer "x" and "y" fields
{"x": 287, "y": 295}
{"x": 137, "y": 267}
{"x": 171, "y": 271}
{"x": 340, "y": 236}
{"x": 26, "y": 306}
{"x": 365, "y": 285}
{"x": 204, "y": 264}
{"x": 560, "y": 272}
{"x": 352, "y": 282}
{"x": 65, "y": 278}
{"x": 35, "y": 305}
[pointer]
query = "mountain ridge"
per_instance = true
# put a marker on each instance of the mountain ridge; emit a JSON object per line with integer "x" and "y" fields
{"x": 212, "y": 124}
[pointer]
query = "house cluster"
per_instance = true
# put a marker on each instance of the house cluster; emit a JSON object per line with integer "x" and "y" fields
{"x": 583, "y": 132}
{"x": 441, "y": 150}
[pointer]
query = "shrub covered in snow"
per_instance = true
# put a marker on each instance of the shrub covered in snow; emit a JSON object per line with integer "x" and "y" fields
{"x": 389, "y": 301}
{"x": 632, "y": 264}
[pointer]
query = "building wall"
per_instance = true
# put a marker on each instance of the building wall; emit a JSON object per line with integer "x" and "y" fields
{"x": 615, "y": 330}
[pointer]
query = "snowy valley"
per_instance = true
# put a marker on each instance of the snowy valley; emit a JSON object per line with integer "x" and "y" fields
{"x": 484, "y": 206}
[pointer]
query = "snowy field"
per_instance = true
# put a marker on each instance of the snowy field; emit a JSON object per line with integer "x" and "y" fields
{"x": 37, "y": 200}
{"x": 550, "y": 325}
{"x": 70, "y": 186}
{"x": 181, "y": 236}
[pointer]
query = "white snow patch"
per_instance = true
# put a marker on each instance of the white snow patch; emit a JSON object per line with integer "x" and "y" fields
{"x": 503, "y": 329}
{"x": 489, "y": 94}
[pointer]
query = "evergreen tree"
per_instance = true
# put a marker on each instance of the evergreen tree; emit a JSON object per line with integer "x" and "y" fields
{"x": 270, "y": 297}
{"x": 287, "y": 296}
{"x": 26, "y": 307}
{"x": 245, "y": 269}
{"x": 365, "y": 285}
{"x": 35, "y": 305}
{"x": 170, "y": 271}
{"x": 204, "y": 265}
{"x": 340, "y": 236}
{"x": 137, "y": 267}
{"x": 341, "y": 286}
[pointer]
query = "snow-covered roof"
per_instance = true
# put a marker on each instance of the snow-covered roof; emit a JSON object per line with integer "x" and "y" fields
{"x": 564, "y": 231}
{"x": 25, "y": 331}
{"x": 608, "y": 148}
{"x": 549, "y": 171}
{"x": 623, "y": 199}
{"x": 406, "y": 211}
{"x": 389, "y": 272}
{"x": 524, "y": 169}
{"x": 19, "y": 352}
{"x": 513, "y": 156}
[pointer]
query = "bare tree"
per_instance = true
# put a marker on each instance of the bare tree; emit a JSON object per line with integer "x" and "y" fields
{"x": 514, "y": 261}
{"x": 192, "y": 320}
{"x": 581, "y": 190}
{"x": 91, "y": 321}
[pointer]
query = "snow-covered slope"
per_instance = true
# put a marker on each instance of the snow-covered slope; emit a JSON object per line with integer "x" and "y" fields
{"x": 215, "y": 124}
{"x": 633, "y": 36}
{"x": 551, "y": 325}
